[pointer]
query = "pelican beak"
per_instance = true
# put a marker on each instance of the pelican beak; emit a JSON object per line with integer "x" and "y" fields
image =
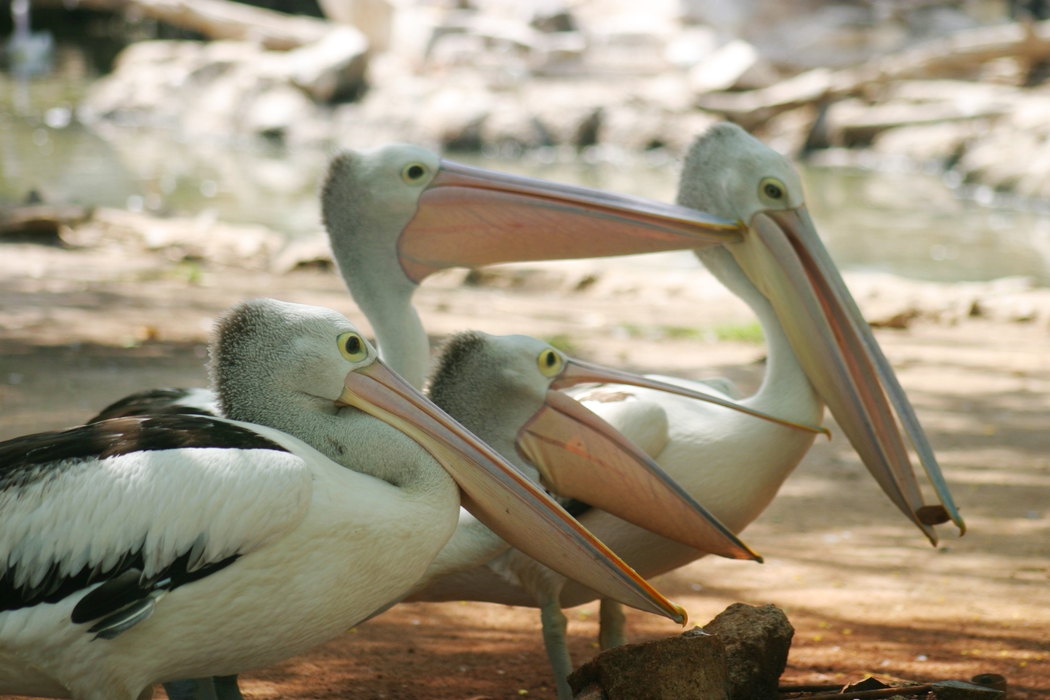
{"x": 469, "y": 217}
{"x": 784, "y": 258}
{"x": 581, "y": 456}
{"x": 499, "y": 495}
{"x": 580, "y": 372}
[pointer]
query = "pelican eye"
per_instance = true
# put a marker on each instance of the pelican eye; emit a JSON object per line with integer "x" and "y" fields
{"x": 772, "y": 188}
{"x": 352, "y": 346}
{"x": 550, "y": 362}
{"x": 413, "y": 173}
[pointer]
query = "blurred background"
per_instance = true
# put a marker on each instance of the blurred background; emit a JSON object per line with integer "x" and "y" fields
{"x": 920, "y": 125}
{"x": 160, "y": 160}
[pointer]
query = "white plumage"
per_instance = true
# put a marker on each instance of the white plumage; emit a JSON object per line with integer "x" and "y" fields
{"x": 313, "y": 538}
{"x": 159, "y": 502}
{"x": 147, "y": 549}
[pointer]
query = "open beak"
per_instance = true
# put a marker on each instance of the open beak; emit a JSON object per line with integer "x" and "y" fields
{"x": 469, "y": 217}
{"x": 581, "y": 456}
{"x": 784, "y": 258}
{"x": 499, "y": 495}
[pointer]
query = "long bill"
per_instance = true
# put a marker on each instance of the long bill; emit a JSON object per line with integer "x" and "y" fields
{"x": 581, "y": 372}
{"x": 469, "y": 217}
{"x": 581, "y": 456}
{"x": 785, "y": 259}
{"x": 499, "y": 495}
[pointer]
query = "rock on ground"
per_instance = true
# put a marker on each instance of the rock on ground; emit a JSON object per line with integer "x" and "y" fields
{"x": 688, "y": 667}
{"x": 757, "y": 641}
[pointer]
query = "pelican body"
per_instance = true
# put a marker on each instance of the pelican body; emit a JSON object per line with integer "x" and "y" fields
{"x": 145, "y": 549}
{"x": 399, "y": 213}
{"x": 507, "y": 389}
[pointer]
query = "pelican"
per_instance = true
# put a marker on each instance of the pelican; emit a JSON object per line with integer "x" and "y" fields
{"x": 144, "y": 549}
{"x": 397, "y": 214}
{"x": 507, "y": 389}
{"x": 821, "y": 351}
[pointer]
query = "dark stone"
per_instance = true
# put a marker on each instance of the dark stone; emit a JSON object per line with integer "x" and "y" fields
{"x": 587, "y": 133}
{"x": 465, "y": 137}
{"x": 990, "y": 680}
{"x": 757, "y": 641}
{"x": 554, "y": 19}
{"x": 688, "y": 667}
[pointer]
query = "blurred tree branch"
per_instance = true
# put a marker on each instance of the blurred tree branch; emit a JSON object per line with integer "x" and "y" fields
{"x": 958, "y": 53}
{"x": 219, "y": 19}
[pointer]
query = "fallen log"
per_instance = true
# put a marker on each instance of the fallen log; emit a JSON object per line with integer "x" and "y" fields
{"x": 852, "y": 122}
{"x": 755, "y": 107}
{"x": 39, "y": 223}
{"x": 220, "y": 19}
{"x": 965, "y": 50}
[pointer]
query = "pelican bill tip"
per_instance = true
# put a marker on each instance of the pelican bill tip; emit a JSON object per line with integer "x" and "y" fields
{"x": 745, "y": 553}
{"x": 933, "y": 515}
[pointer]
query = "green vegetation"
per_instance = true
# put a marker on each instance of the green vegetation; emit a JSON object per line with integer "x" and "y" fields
{"x": 740, "y": 332}
{"x": 562, "y": 342}
{"x": 734, "y": 332}
{"x": 682, "y": 333}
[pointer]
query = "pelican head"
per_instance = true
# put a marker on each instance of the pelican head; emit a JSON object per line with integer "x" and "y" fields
{"x": 495, "y": 385}
{"x": 504, "y": 388}
{"x": 268, "y": 356}
{"x": 731, "y": 174}
{"x": 441, "y": 214}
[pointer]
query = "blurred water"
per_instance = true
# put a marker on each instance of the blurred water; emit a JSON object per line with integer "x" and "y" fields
{"x": 906, "y": 223}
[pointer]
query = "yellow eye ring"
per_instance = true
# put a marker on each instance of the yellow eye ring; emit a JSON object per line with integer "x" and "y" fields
{"x": 352, "y": 346}
{"x": 773, "y": 189}
{"x": 550, "y": 363}
{"x": 414, "y": 173}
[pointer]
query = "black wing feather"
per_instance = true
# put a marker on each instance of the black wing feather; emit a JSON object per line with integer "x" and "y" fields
{"x": 117, "y": 623}
{"x": 152, "y": 402}
{"x": 116, "y": 593}
{"x": 34, "y": 458}
{"x": 30, "y": 458}
{"x": 127, "y": 586}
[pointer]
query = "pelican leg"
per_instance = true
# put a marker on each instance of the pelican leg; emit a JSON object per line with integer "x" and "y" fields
{"x": 612, "y": 620}
{"x": 191, "y": 689}
{"x": 554, "y": 628}
{"x": 226, "y": 688}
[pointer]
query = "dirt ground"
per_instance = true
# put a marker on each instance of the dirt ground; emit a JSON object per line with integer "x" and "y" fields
{"x": 863, "y": 589}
